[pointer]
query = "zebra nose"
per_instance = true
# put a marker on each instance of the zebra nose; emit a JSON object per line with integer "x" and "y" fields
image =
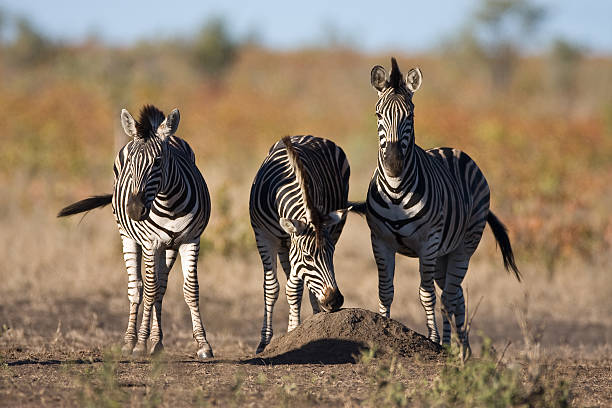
{"x": 333, "y": 300}
{"x": 136, "y": 208}
{"x": 393, "y": 160}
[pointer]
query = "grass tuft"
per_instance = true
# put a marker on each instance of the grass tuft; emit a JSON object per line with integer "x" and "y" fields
{"x": 100, "y": 387}
{"x": 484, "y": 381}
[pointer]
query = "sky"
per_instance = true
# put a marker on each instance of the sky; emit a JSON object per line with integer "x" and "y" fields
{"x": 370, "y": 26}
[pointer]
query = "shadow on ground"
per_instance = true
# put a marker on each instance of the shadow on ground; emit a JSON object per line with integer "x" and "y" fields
{"x": 323, "y": 351}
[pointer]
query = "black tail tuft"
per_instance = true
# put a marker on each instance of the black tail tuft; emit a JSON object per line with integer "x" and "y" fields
{"x": 358, "y": 207}
{"x": 86, "y": 205}
{"x": 501, "y": 236}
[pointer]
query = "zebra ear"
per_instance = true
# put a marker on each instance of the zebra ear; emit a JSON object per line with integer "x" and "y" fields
{"x": 378, "y": 78}
{"x": 170, "y": 124}
{"x": 129, "y": 124}
{"x": 335, "y": 217}
{"x": 292, "y": 227}
{"x": 414, "y": 78}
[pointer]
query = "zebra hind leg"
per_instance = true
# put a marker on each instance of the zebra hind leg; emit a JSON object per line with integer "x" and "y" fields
{"x": 268, "y": 252}
{"x": 156, "y": 326}
{"x": 191, "y": 291}
{"x": 440, "y": 278}
{"x": 452, "y": 296}
{"x": 132, "y": 254}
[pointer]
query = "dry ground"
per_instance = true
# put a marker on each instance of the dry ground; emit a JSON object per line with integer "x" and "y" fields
{"x": 64, "y": 306}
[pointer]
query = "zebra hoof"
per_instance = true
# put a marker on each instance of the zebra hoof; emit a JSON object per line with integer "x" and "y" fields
{"x": 261, "y": 347}
{"x": 157, "y": 348}
{"x": 140, "y": 350}
{"x": 127, "y": 349}
{"x": 205, "y": 353}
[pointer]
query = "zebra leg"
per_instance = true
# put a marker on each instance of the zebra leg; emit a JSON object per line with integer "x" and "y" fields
{"x": 268, "y": 252}
{"x": 385, "y": 261}
{"x": 427, "y": 295}
{"x": 294, "y": 290}
{"x": 157, "y": 334}
{"x": 283, "y": 255}
{"x": 452, "y": 295}
{"x": 314, "y": 302}
{"x": 191, "y": 292}
{"x": 153, "y": 259}
{"x": 440, "y": 278}
{"x": 132, "y": 254}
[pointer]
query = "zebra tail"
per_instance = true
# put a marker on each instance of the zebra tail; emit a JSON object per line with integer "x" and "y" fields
{"x": 86, "y": 205}
{"x": 501, "y": 236}
{"x": 358, "y": 207}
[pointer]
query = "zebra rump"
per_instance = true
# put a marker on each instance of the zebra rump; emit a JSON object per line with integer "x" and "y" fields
{"x": 86, "y": 204}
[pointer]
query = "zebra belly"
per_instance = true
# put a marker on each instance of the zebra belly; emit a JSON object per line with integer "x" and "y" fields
{"x": 402, "y": 240}
{"x": 160, "y": 233}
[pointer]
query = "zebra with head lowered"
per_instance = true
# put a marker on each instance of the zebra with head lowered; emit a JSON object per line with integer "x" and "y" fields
{"x": 431, "y": 204}
{"x": 298, "y": 208}
{"x": 161, "y": 205}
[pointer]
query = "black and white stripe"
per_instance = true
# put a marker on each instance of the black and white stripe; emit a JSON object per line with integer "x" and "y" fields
{"x": 298, "y": 208}
{"x": 431, "y": 204}
{"x": 161, "y": 205}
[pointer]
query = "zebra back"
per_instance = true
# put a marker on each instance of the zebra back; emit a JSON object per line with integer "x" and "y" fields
{"x": 277, "y": 193}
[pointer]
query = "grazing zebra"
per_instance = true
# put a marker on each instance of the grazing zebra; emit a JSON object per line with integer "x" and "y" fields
{"x": 431, "y": 204}
{"x": 161, "y": 205}
{"x": 298, "y": 207}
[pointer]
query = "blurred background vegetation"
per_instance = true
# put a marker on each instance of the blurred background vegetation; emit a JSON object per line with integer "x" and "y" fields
{"x": 539, "y": 125}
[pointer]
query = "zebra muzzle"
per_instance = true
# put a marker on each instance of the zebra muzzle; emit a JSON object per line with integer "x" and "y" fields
{"x": 393, "y": 160}
{"x": 333, "y": 300}
{"x": 136, "y": 208}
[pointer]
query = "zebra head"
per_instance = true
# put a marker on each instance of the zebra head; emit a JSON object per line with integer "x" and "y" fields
{"x": 395, "y": 116}
{"x": 312, "y": 249}
{"x": 146, "y": 159}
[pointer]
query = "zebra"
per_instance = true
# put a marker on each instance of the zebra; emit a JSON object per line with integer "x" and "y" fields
{"x": 427, "y": 204}
{"x": 298, "y": 207}
{"x": 161, "y": 205}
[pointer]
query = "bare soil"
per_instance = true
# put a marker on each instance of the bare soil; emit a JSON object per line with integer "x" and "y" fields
{"x": 317, "y": 364}
{"x": 336, "y": 338}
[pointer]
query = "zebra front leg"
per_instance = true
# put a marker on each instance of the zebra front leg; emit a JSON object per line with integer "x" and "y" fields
{"x": 157, "y": 334}
{"x": 294, "y": 290}
{"x": 153, "y": 259}
{"x": 385, "y": 262}
{"x": 132, "y": 254}
{"x": 427, "y": 295}
{"x": 191, "y": 292}
{"x": 314, "y": 302}
{"x": 268, "y": 252}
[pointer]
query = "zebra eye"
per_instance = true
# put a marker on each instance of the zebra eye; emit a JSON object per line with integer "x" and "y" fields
{"x": 308, "y": 257}
{"x": 157, "y": 161}
{"x": 378, "y": 116}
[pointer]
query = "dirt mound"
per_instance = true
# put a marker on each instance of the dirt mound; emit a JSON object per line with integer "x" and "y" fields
{"x": 338, "y": 337}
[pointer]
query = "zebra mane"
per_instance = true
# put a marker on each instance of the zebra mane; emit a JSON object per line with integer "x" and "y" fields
{"x": 312, "y": 212}
{"x": 395, "y": 78}
{"x": 148, "y": 122}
